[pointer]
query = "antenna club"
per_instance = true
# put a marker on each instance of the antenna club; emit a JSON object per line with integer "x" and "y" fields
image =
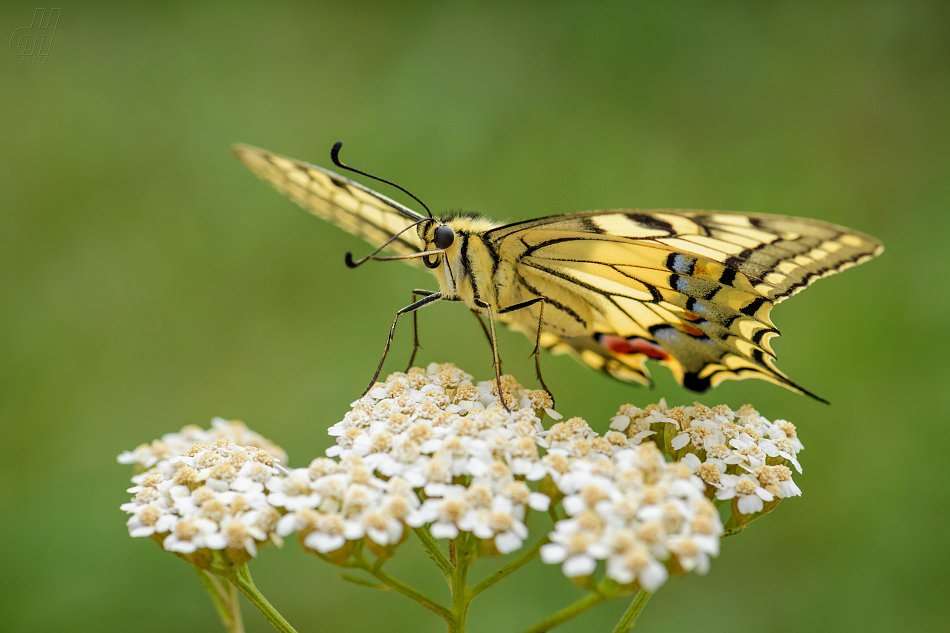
{"x": 335, "y": 154}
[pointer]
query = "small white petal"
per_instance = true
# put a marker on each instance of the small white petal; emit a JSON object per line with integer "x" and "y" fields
{"x": 508, "y": 542}
{"x": 324, "y": 543}
{"x": 574, "y": 504}
{"x": 216, "y": 541}
{"x": 653, "y": 576}
{"x": 286, "y": 525}
{"x": 579, "y": 566}
{"x": 444, "y": 530}
{"x": 144, "y": 530}
{"x": 750, "y": 504}
{"x": 539, "y": 501}
{"x": 620, "y": 422}
{"x": 680, "y": 441}
{"x": 553, "y": 553}
{"x": 765, "y": 494}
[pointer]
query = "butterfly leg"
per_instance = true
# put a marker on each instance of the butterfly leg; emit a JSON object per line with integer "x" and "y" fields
{"x": 494, "y": 351}
{"x": 421, "y": 303}
{"x": 537, "y": 353}
{"x": 482, "y": 323}
{"x": 415, "y": 325}
{"x": 537, "y": 341}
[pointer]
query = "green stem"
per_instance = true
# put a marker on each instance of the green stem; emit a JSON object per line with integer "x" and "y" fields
{"x": 404, "y": 589}
{"x": 225, "y": 602}
{"x": 461, "y": 595}
{"x": 236, "y": 611}
{"x": 569, "y": 612}
{"x": 242, "y": 580}
{"x": 629, "y": 617}
{"x": 435, "y": 553}
{"x": 517, "y": 563}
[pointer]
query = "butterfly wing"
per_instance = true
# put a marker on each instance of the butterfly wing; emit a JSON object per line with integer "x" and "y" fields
{"x": 692, "y": 289}
{"x": 346, "y": 203}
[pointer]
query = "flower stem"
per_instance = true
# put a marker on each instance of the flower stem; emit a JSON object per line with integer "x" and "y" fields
{"x": 461, "y": 594}
{"x": 629, "y": 617}
{"x": 236, "y": 611}
{"x": 401, "y": 587}
{"x": 569, "y": 612}
{"x": 242, "y": 580}
{"x": 514, "y": 565}
{"x": 435, "y": 553}
{"x": 225, "y": 601}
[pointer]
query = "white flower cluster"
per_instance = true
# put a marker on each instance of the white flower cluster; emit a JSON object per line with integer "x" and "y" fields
{"x": 172, "y": 445}
{"x": 430, "y": 448}
{"x": 628, "y": 507}
{"x": 738, "y": 454}
{"x": 210, "y": 496}
{"x": 431, "y": 431}
{"x": 333, "y": 502}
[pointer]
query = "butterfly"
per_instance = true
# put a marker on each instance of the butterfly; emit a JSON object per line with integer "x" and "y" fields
{"x": 692, "y": 290}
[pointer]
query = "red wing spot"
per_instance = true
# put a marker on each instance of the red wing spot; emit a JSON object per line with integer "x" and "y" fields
{"x": 689, "y": 316}
{"x": 634, "y": 345}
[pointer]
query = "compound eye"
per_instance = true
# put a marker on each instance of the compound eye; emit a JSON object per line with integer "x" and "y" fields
{"x": 444, "y": 237}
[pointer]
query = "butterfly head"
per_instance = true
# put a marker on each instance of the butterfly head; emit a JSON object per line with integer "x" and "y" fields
{"x": 439, "y": 246}
{"x": 444, "y": 240}
{"x": 436, "y": 236}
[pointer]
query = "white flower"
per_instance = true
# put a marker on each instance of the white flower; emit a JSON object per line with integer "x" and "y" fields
{"x": 150, "y": 519}
{"x": 748, "y": 491}
{"x": 293, "y": 492}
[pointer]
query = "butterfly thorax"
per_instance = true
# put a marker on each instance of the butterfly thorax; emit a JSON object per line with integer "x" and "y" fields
{"x": 481, "y": 272}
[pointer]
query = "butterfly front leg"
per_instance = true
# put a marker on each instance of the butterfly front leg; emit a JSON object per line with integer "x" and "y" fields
{"x": 494, "y": 344}
{"x": 415, "y": 325}
{"x": 421, "y": 303}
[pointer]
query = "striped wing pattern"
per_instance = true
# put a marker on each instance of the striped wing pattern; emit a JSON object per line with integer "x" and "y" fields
{"x": 691, "y": 289}
{"x": 348, "y": 204}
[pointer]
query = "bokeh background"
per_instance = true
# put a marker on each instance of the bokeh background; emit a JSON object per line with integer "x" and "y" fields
{"x": 148, "y": 281}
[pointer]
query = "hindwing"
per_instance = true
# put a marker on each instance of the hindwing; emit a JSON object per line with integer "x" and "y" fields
{"x": 691, "y": 289}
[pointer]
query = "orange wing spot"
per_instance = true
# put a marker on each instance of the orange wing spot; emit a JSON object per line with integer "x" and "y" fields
{"x": 689, "y": 316}
{"x": 689, "y": 329}
{"x": 620, "y": 345}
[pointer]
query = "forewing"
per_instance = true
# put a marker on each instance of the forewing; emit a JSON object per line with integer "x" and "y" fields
{"x": 346, "y": 203}
{"x": 691, "y": 289}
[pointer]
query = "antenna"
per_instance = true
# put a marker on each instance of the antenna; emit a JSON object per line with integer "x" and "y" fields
{"x": 353, "y": 264}
{"x": 335, "y": 157}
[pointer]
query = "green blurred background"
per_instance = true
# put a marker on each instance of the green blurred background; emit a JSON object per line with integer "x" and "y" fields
{"x": 149, "y": 281}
